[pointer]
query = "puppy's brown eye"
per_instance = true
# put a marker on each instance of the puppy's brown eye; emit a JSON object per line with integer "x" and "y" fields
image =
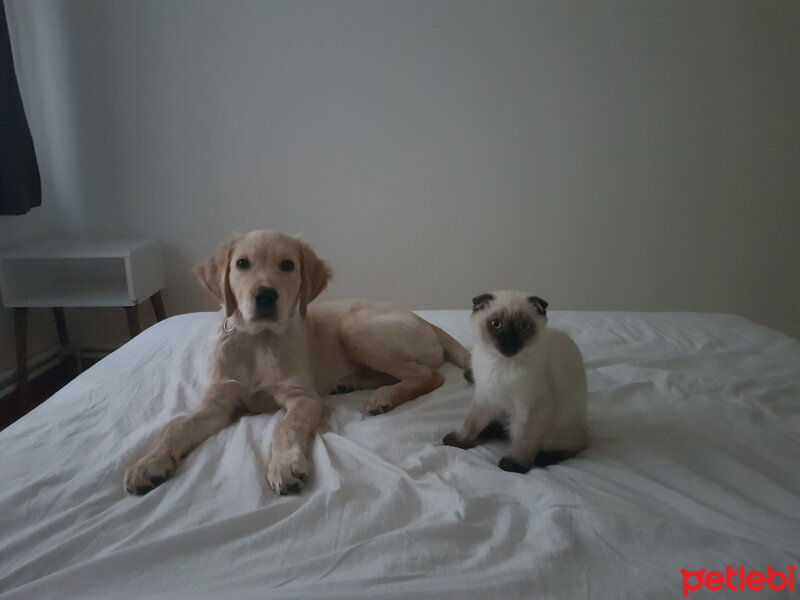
{"x": 243, "y": 264}
{"x": 286, "y": 265}
{"x": 495, "y": 323}
{"x": 524, "y": 326}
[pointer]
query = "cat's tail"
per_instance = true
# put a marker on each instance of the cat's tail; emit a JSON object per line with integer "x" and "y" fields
{"x": 453, "y": 350}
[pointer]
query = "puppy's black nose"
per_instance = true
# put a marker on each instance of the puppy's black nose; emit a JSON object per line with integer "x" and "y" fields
{"x": 265, "y": 297}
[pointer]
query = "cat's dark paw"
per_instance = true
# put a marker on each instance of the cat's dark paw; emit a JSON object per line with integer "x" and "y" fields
{"x": 494, "y": 431}
{"x": 469, "y": 376}
{"x": 545, "y": 458}
{"x": 452, "y": 439}
{"x": 509, "y": 464}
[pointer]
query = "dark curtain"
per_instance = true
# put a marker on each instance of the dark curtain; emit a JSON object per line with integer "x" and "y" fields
{"x": 20, "y": 186}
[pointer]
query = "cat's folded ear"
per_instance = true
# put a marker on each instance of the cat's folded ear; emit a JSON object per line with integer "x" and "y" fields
{"x": 539, "y": 304}
{"x": 481, "y": 301}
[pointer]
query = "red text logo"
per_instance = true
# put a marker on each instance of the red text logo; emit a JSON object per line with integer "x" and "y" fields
{"x": 734, "y": 579}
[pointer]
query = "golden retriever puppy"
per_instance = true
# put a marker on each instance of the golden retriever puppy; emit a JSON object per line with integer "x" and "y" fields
{"x": 272, "y": 350}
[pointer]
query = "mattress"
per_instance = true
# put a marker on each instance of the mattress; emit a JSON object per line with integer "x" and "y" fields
{"x": 693, "y": 464}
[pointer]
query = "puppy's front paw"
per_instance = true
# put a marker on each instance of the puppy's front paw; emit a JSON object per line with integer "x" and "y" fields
{"x": 379, "y": 402}
{"x": 287, "y": 471}
{"x": 509, "y": 464}
{"x": 150, "y": 472}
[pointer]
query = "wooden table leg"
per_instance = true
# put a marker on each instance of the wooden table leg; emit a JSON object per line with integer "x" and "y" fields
{"x": 132, "y": 312}
{"x": 21, "y": 332}
{"x": 75, "y": 366}
{"x": 158, "y": 306}
{"x": 61, "y": 326}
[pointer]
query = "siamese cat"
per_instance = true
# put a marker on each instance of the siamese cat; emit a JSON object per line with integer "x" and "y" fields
{"x": 530, "y": 384}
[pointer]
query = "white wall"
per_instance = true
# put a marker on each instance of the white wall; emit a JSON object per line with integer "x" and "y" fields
{"x": 42, "y": 332}
{"x": 605, "y": 155}
{"x": 40, "y": 59}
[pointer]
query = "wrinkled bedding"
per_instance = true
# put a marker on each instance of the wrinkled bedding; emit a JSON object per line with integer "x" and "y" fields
{"x": 694, "y": 463}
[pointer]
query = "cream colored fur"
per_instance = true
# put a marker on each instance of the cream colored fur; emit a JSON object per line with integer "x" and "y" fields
{"x": 294, "y": 356}
{"x": 537, "y": 391}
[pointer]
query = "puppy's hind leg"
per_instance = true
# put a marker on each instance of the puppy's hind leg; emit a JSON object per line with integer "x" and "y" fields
{"x": 415, "y": 379}
{"x": 181, "y": 436}
{"x": 368, "y": 380}
{"x": 402, "y": 346}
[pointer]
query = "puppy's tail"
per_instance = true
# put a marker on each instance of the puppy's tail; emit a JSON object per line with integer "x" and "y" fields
{"x": 453, "y": 350}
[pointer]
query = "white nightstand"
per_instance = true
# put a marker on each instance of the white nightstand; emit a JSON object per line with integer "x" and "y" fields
{"x": 86, "y": 273}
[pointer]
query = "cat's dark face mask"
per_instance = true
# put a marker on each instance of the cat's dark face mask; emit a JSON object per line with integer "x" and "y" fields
{"x": 509, "y": 333}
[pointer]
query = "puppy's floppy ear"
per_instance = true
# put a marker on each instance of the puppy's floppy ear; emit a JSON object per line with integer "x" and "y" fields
{"x": 315, "y": 275}
{"x": 481, "y": 301}
{"x": 539, "y": 304}
{"x": 215, "y": 276}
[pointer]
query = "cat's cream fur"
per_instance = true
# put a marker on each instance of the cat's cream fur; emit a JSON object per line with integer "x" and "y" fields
{"x": 530, "y": 382}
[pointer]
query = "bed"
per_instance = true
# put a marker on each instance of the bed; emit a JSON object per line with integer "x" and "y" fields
{"x": 694, "y": 463}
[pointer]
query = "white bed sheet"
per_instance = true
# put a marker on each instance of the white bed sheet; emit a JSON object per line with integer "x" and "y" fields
{"x": 694, "y": 463}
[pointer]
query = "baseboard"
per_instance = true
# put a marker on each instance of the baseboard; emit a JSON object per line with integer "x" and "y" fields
{"x": 39, "y": 389}
{"x": 37, "y": 365}
{"x": 47, "y": 361}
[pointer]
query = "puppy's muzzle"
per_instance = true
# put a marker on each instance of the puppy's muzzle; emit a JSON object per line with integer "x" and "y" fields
{"x": 265, "y": 301}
